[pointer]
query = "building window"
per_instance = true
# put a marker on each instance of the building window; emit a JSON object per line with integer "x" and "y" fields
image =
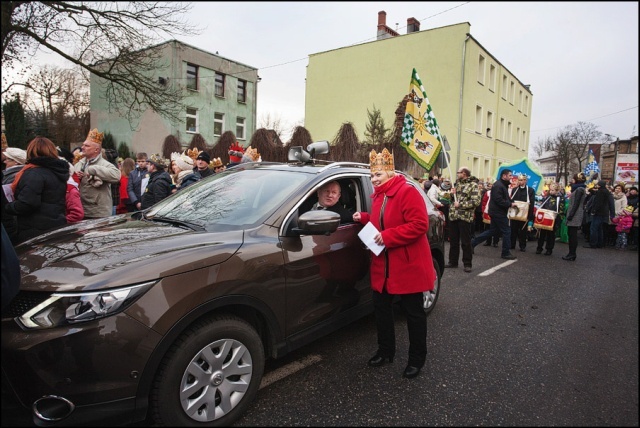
{"x": 478, "y": 119}
{"x": 520, "y": 99}
{"x": 219, "y": 84}
{"x": 492, "y": 78}
{"x": 242, "y": 91}
{"x": 192, "y": 120}
{"x": 501, "y": 129}
{"x": 505, "y": 88}
{"x": 481, "y": 70}
{"x": 240, "y": 126}
{"x": 512, "y": 92}
{"x": 526, "y": 105}
{"x": 509, "y": 131}
{"x": 524, "y": 139}
{"x": 218, "y": 124}
{"x": 487, "y": 171}
{"x": 489, "y": 124}
{"x": 192, "y": 77}
{"x": 517, "y": 138}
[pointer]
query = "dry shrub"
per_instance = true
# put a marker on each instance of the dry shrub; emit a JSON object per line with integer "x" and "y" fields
{"x": 262, "y": 140}
{"x": 221, "y": 148}
{"x": 171, "y": 144}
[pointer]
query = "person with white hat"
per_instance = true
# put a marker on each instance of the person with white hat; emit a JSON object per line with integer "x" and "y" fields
{"x": 14, "y": 159}
{"x": 182, "y": 169}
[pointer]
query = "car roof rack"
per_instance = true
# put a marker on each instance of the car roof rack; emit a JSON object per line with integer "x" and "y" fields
{"x": 339, "y": 164}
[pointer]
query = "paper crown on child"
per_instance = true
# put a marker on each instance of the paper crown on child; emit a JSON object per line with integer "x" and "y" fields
{"x": 382, "y": 161}
{"x": 215, "y": 163}
{"x": 629, "y": 209}
{"x": 95, "y": 136}
{"x": 193, "y": 153}
{"x": 182, "y": 160}
{"x": 235, "y": 153}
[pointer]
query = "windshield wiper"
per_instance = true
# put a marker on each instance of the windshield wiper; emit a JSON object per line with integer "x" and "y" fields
{"x": 192, "y": 226}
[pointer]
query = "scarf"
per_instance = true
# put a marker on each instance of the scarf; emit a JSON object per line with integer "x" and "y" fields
{"x": 14, "y": 185}
{"x": 382, "y": 189}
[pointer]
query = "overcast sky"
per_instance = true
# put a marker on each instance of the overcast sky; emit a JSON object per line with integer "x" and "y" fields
{"x": 580, "y": 58}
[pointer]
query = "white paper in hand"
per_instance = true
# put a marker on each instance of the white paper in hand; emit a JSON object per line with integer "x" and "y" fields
{"x": 366, "y": 235}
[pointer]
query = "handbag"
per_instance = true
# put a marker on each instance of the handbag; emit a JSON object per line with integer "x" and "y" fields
{"x": 485, "y": 213}
{"x": 521, "y": 211}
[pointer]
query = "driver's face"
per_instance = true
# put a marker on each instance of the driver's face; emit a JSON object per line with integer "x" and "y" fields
{"x": 329, "y": 195}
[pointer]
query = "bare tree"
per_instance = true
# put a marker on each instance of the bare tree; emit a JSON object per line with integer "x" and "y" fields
{"x": 274, "y": 123}
{"x": 583, "y": 133}
{"x": 563, "y": 146}
{"x": 540, "y": 146}
{"x": 112, "y": 40}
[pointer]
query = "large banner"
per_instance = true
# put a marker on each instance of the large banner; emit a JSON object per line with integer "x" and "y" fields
{"x": 420, "y": 131}
{"x": 523, "y": 166}
{"x": 627, "y": 169}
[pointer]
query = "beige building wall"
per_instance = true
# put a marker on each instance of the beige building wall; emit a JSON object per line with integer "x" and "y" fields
{"x": 463, "y": 82}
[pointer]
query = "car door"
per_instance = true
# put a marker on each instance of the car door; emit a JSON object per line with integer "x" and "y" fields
{"x": 327, "y": 277}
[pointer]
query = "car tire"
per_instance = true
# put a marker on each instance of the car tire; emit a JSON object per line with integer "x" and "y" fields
{"x": 210, "y": 375}
{"x": 431, "y": 297}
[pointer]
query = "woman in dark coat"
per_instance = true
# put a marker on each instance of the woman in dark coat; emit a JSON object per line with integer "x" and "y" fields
{"x": 39, "y": 191}
{"x": 575, "y": 213}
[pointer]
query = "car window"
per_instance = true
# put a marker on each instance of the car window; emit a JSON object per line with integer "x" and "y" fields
{"x": 231, "y": 200}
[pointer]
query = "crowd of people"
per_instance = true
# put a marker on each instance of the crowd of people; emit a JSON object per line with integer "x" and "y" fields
{"x": 46, "y": 186}
{"x": 478, "y": 211}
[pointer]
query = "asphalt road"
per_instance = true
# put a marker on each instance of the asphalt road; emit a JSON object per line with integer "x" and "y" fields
{"x": 538, "y": 342}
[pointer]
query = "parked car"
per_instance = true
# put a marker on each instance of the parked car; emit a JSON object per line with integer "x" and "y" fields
{"x": 170, "y": 313}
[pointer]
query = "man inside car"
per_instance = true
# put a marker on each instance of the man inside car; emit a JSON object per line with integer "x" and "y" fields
{"x": 329, "y": 199}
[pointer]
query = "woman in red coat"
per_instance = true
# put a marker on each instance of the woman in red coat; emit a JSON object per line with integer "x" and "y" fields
{"x": 405, "y": 267}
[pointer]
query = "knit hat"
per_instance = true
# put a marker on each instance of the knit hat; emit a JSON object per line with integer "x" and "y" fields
{"x": 204, "y": 156}
{"x": 602, "y": 183}
{"x": 182, "y": 161}
{"x": 16, "y": 154}
{"x": 629, "y": 209}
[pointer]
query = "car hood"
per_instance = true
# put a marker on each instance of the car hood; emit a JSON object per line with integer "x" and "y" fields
{"x": 118, "y": 251}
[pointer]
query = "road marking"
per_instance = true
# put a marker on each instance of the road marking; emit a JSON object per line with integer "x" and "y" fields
{"x": 494, "y": 269}
{"x": 289, "y": 369}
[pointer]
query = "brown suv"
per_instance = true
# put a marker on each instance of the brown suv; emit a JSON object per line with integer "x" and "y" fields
{"x": 170, "y": 313}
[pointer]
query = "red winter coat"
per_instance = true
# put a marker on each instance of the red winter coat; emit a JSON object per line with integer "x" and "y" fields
{"x": 405, "y": 264}
{"x": 74, "y": 211}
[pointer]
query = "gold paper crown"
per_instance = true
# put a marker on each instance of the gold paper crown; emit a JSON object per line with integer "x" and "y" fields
{"x": 4, "y": 142}
{"x": 95, "y": 136}
{"x": 193, "y": 153}
{"x": 77, "y": 156}
{"x": 215, "y": 163}
{"x": 252, "y": 153}
{"x": 382, "y": 161}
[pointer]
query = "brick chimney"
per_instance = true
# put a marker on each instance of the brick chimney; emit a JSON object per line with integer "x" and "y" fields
{"x": 384, "y": 32}
{"x": 413, "y": 25}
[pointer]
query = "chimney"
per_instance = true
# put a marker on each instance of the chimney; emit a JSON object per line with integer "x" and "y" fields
{"x": 413, "y": 25}
{"x": 384, "y": 32}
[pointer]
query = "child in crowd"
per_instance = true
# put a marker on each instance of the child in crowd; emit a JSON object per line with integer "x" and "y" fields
{"x": 623, "y": 222}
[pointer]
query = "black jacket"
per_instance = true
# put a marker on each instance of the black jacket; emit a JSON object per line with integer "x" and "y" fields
{"x": 40, "y": 198}
{"x": 500, "y": 201}
{"x": 158, "y": 188}
{"x": 133, "y": 185}
{"x": 603, "y": 204}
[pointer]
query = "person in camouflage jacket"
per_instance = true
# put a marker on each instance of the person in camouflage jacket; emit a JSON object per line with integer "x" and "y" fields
{"x": 466, "y": 196}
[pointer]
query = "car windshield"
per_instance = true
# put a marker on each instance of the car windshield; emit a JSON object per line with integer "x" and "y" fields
{"x": 230, "y": 200}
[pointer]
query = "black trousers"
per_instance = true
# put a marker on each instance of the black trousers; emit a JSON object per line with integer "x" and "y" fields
{"x": 416, "y": 325}
{"x": 573, "y": 239}
{"x": 518, "y": 233}
{"x": 460, "y": 233}
{"x": 548, "y": 237}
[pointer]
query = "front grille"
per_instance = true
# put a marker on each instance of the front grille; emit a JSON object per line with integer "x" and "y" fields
{"x": 24, "y": 301}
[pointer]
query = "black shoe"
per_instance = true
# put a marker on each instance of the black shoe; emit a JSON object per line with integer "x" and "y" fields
{"x": 487, "y": 244}
{"x": 451, "y": 266}
{"x": 467, "y": 268}
{"x": 588, "y": 246}
{"x": 547, "y": 253}
{"x": 377, "y": 361}
{"x": 509, "y": 257}
{"x": 411, "y": 372}
{"x": 539, "y": 251}
{"x": 495, "y": 245}
{"x": 569, "y": 258}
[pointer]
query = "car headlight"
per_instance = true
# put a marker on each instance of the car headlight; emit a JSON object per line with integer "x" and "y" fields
{"x": 72, "y": 308}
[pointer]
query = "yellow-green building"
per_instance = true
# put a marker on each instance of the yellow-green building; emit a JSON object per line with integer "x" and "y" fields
{"x": 481, "y": 107}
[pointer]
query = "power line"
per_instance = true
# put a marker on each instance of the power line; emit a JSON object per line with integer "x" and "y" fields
{"x": 595, "y": 118}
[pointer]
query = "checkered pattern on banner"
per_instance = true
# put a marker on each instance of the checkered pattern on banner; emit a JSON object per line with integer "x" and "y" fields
{"x": 592, "y": 166}
{"x": 408, "y": 130}
{"x": 432, "y": 124}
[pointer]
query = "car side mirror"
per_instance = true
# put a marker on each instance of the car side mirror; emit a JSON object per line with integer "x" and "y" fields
{"x": 317, "y": 222}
